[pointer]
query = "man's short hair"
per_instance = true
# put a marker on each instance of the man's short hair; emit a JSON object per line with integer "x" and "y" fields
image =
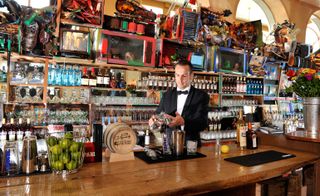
{"x": 183, "y": 62}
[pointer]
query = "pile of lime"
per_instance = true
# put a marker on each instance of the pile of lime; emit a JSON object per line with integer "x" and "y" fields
{"x": 64, "y": 153}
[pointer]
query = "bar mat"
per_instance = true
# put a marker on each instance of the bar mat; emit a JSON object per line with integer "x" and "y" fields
{"x": 259, "y": 158}
{"x": 166, "y": 158}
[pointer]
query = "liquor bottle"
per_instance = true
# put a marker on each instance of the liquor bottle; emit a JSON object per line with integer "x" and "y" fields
{"x": 106, "y": 79}
{"x": 84, "y": 78}
{"x": 4, "y": 74}
{"x": 12, "y": 130}
{"x": 100, "y": 78}
{"x": 92, "y": 78}
{"x": 3, "y": 133}
{"x": 241, "y": 131}
{"x": 113, "y": 81}
{"x": 147, "y": 139}
{"x": 251, "y": 136}
{"x": 58, "y": 76}
{"x": 20, "y": 130}
{"x": 65, "y": 76}
{"x": 28, "y": 128}
{"x": 244, "y": 85}
{"x": 78, "y": 76}
{"x": 122, "y": 83}
{"x": 71, "y": 76}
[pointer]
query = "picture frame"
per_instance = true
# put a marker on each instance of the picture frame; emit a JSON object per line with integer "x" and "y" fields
{"x": 75, "y": 42}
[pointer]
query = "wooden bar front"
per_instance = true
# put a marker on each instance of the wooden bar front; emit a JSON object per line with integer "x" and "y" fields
{"x": 193, "y": 176}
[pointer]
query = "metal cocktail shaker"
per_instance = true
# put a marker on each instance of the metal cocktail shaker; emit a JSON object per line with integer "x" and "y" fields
{"x": 177, "y": 139}
{"x": 29, "y": 154}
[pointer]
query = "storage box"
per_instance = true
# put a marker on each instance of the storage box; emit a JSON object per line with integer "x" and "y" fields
{"x": 127, "y": 49}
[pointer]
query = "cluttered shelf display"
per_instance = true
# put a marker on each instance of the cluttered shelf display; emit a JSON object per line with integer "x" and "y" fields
{"x": 116, "y": 68}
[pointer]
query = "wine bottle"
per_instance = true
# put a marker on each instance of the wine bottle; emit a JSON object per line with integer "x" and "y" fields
{"x": 84, "y": 78}
{"x": 106, "y": 79}
{"x": 100, "y": 78}
{"x": 241, "y": 131}
{"x": 251, "y": 136}
{"x": 93, "y": 78}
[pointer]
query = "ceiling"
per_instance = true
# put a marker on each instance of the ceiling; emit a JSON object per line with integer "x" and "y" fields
{"x": 312, "y": 2}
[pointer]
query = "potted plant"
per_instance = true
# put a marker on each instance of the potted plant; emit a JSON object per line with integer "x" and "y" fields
{"x": 306, "y": 84}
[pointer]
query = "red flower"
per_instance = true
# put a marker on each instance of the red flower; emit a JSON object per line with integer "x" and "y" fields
{"x": 308, "y": 76}
{"x": 290, "y": 73}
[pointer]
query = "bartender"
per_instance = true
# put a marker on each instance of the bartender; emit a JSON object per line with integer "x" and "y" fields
{"x": 185, "y": 106}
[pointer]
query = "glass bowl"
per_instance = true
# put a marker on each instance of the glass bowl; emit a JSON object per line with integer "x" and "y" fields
{"x": 65, "y": 151}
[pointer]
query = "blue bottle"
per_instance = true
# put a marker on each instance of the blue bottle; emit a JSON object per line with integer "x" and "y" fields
{"x": 58, "y": 76}
{"x": 65, "y": 77}
{"x": 71, "y": 77}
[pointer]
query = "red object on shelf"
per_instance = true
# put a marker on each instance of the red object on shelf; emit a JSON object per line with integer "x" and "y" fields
{"x": 89, "y": 156}
{"x": 193, "y": 2}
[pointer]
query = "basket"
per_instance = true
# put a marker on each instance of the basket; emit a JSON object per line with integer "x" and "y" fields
{"x": 65, "y": 151}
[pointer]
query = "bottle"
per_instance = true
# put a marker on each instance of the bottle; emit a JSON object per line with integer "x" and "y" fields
{"x": 20, "y": 130}
{"x": 93, "y": 78}
{"x": 147, "y": 139}
{"x": 3, "y": 133}
{"x": 4, "y": 74}
{"x": 113, "y": 81}
{"x": 28, "y": 128}
{"x": 100, "y": 78}
{"x": 65, "y": 76}
{"x": 58, "y": 76}
{"x": 12, "y": 130}
{"x": 106, "y": 79}
{"x": 84, "y": 78}
{"x": 251, "y": 137}
{"x": 241, "y": 131}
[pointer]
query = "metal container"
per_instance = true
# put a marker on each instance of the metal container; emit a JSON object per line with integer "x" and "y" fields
{"x": 178, "y": 141}
{"x": 311, "y": 114}
{"x": 29, "y": 154}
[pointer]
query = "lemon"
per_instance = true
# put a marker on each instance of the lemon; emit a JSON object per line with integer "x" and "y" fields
{"x": 225, "y": 149}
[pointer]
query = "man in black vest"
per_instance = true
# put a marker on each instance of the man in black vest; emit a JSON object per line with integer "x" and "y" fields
{"x": 187, "y": 106}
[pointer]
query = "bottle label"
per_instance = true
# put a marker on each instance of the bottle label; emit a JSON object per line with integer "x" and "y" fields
{"x": 99, "y": 80}
{"x": 106, "y": 80}
{"x": 243, "y": 139}
{"x": 84, "y": 81}
{"x": 92, "y": 82}
{"x": 254, "y": 141}
{"x": 146, "y": 140}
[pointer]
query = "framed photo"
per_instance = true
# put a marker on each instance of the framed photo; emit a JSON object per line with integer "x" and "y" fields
{"x": 75, "y": 42}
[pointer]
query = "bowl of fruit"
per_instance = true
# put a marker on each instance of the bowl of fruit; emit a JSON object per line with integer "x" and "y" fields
{"x": 65, "y": 151}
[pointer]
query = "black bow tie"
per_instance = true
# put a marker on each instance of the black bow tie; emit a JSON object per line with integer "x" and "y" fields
{"x": 182, "y": 92}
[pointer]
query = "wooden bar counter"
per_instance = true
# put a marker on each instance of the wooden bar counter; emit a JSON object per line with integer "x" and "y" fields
{"x": 194, "y": 176}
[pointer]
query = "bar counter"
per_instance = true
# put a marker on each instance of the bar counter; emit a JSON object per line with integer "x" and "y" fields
{"x": 194, "y": 176}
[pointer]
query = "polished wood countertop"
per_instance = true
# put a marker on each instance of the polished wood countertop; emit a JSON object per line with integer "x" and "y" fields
{"x": 304, "y": 136}
{"x": 136, "y": 177}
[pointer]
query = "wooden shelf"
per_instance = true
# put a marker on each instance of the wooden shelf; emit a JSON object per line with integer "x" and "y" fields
{"x": 246, "y": 95}
{"x": 72, "y": 103}
{"x": 34, "y": 85}
{"x": 67, "y": 87}
{"x": 108, "y": 89}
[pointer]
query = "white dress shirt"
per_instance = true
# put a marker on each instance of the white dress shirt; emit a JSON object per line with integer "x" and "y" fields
{"x": 181, "y": 100}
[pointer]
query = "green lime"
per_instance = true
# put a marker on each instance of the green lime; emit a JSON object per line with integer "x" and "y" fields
{"x": 52, "y": 141}
{"x": 54, "y": 157}
{"x": 65, "y": 158}
{"x": 75, "y": 156}
{"x": 65, "y": 143}
{"x": 56, "y": 149}
{"x": 68, "y": 135}
{"x": 74, "y": 147}
{"x": 59, "y": 165}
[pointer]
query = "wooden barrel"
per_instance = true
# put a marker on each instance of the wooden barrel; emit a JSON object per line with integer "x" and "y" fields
{"x": 119, "y": 138}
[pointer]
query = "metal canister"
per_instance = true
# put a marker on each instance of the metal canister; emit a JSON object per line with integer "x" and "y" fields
{"x": 177, "y": 139}
{"x": 29, "y": 154}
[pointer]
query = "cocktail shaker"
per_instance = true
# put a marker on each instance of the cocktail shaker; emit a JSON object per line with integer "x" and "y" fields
{"x": 177, "y": 139}
{"x": 29, "y": 154}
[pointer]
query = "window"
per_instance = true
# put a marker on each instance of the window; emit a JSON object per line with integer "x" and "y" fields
{"x": 251, "y": 10}
{"x": 313, "y": 33}
{"x": 156, "y": 10}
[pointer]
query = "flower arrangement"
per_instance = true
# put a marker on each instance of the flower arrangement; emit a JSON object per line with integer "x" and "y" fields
{"x": 305, "y": 82}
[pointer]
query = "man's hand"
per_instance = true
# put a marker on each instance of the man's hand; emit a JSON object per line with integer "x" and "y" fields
{"x": 152, "y": 120}
{"x": 175, "y": 121}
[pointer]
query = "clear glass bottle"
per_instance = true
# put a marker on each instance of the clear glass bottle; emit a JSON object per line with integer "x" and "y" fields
{"x": 241, "y": 131}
